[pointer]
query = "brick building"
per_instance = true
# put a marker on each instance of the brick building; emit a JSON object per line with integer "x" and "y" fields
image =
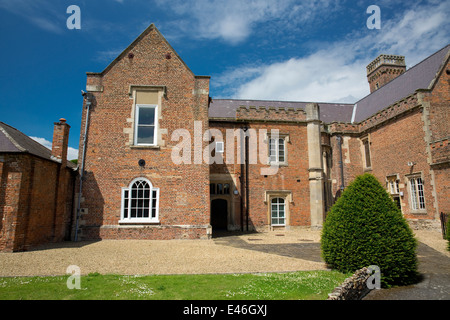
{"x": 162, "y": 159}
{"x": 36, "y": 189}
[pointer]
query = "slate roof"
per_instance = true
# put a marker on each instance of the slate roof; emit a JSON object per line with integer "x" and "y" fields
{"x": 13, "y": 140}
{"x": 421, "y": 76}
{"x": 418, "y": 77}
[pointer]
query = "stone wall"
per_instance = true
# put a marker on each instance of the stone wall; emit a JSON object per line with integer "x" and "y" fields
{"x": 353, "y": 288}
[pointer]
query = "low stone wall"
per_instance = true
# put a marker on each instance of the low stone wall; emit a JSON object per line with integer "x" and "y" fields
{"x": 353, "y": 288}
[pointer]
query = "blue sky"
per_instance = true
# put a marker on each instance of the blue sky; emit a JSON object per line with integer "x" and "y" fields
{"x": 267, "y": 49}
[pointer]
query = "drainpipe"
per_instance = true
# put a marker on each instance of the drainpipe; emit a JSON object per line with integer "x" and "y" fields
{"x": 247, "y": 195}
{"x": 244, "y": 176}
{"x": 88, "y": 96}
{"x": 341, "y": 162}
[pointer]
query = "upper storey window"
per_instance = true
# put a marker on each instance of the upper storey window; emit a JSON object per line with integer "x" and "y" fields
{"x": 145, "y": 125}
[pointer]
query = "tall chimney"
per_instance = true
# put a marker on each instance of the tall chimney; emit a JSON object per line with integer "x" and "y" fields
{"x": 384, "y": 69}
{"x": 60, "y": 140}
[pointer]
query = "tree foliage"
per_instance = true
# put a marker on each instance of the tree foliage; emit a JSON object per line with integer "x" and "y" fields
{"x": 365, "y": 227}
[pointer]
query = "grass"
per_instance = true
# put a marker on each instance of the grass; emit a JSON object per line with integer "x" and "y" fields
{"x": 302, "y": 285}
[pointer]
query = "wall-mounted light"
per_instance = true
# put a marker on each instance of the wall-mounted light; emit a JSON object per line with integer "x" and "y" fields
{"x": 410, "y": 163}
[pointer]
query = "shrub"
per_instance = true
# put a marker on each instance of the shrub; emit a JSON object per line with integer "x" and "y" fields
{"x": 364, "y": 227}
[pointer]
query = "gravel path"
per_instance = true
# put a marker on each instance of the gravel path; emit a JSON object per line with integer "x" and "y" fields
{"x": 259, "y": 252}
{"x": 233, "y": 254}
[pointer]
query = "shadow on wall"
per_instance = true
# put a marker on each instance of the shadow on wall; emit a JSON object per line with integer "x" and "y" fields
{"x": 91, "y": 210}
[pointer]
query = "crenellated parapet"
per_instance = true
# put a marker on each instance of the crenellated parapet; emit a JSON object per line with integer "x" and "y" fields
{"x": 270, "y": 114}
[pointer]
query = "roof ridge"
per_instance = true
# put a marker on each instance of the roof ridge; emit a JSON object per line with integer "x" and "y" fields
{"x": 10, "y": 138}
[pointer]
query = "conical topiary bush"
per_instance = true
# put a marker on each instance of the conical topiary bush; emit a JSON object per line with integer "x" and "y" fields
{"x": 364, "y": 227}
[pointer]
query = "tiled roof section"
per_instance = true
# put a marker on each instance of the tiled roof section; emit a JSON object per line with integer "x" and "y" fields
{"x": 329, "y": 112}
{"x": 418, "y": 77}
{"x": 12, "y": 140}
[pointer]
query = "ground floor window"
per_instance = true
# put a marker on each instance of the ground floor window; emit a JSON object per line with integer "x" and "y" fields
{"x": 393, "y": 186}
{"x": 278, "y": 212}
{"x": 140, "y": 202}
{"x": 219, "y": 188}
{"x": 417, "y": 193}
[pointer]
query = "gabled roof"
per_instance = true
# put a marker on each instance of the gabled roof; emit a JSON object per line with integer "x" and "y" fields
{"x": 133, "y": 44}
{"x": 421, "y": 76}
{"x": 329, "y": 112}
{"x": 14, "y": 141}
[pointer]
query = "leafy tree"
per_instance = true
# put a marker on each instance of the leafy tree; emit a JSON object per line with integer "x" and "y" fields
{"x": 365, "y": 227}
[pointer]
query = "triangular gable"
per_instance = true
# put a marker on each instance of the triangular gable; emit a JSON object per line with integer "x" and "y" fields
{"x": 134, "y": 43}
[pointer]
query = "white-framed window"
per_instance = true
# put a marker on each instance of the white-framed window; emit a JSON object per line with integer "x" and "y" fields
{"x": 145, "y": 125}
{"x": 278, "y": 212}
{"x": 219, "y": 147}
{"x": 140, "y": 202}
{"x": 393, "y": 184}
{"x": 277, "y": 150}
{"x": 417, "y": 193}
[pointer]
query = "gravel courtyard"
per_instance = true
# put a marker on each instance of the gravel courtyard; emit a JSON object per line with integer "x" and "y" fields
{"x": 257, "y": 252}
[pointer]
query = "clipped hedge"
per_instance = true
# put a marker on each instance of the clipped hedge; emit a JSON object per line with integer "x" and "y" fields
{"x": 364, "y": 227}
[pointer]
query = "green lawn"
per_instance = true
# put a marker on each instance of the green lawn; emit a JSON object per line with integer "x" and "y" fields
{"x": 302, "y": 285}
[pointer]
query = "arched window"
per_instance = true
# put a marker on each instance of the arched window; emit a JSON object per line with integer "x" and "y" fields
{"x": 277, "y": 212}
{"x": 140, "y": 202}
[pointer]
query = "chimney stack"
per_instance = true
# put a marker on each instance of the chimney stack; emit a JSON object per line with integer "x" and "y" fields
{"x": 384, "y": 69}
{"x": 60, "y": 140}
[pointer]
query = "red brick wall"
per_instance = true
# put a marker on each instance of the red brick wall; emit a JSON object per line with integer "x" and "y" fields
{"x": 112, "y": 164}
{"x": 392, "y": 147}
{"x": 396, "y": 136}
{"x": 30, "y": 210}
{"x": 293, "y": 177}
{"x": 438, "y": 101}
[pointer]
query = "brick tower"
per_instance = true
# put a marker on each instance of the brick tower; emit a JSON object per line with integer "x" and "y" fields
{"x": 384, "y": 69}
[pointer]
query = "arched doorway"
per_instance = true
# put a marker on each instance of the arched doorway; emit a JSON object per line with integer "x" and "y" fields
{"x": 219, "y": 214}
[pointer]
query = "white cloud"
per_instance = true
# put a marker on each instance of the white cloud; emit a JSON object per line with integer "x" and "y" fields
{"x": 234, "y": 20}
{"x": 323, "y": 76}
{"x": 336, "y": 71}
{"x": 72, "y": 153}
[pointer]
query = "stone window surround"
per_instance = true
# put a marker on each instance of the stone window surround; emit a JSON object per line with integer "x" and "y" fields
{"x": 286, "y": 139}
{"x": 161, "y": 92}
{"x": 364, "y": 140}
{"x": 409, "y": 177}
{"x": 284, "y": 194}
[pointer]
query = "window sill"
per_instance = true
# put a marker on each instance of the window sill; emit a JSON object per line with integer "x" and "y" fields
{"x": 421, "y": 212}
{"x": 278, "y": 164}
{"x": 144, "y": 147}
{"x": 139, "y": 222}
